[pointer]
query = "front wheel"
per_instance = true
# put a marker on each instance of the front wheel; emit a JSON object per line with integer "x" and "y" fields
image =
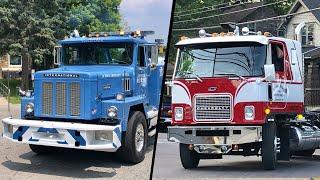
{"x": 189, "y": 158}
{"x": 134, "y": 146}
{"x": 269, "y": 146}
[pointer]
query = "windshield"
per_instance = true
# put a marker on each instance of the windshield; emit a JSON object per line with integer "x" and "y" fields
{"x": 97, "y": 53}
{"x": 244, "y": 60}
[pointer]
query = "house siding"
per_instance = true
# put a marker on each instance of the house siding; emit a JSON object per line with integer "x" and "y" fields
{"x": 307, "y": 18}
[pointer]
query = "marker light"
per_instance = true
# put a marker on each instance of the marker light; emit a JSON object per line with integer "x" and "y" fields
{"x": 120, "y": 97}
{"x": 245, "y": 31}
{"x": 267, "y": 111}
{"x": 178, "y": 113}
{"x": 267, "y": 34}
{"x": 214, "y": 34}
{"x": 183, "y": 38}
{"x": 121, "y": 33}
{"x": 299, "y": 116}
{"x": 222, "y": 34}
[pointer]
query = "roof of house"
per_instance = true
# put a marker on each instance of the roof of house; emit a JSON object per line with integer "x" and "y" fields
{"x": 308, "y": 4}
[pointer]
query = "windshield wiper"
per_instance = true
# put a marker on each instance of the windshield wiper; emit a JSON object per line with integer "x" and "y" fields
{"x": 231, "y": 74}
{"x": 196, "y": 75}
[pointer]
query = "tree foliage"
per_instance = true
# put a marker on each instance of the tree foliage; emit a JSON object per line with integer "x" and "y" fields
{"x": 35, "y": 26}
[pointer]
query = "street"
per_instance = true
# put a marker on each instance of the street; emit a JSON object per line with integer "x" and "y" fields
{"x": 19, "y": 162}
{"x": 167, "y": 165}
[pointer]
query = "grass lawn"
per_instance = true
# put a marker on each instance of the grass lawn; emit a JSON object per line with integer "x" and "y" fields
{"x": 14, "y": 83}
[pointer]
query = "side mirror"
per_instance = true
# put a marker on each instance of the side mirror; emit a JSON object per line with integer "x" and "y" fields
{"x": 57, "y": 55}
{"x": 270, "y": 72}
{"x": 151, "y": 64}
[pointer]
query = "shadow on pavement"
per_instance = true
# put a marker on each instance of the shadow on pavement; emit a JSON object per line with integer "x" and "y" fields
{"x": 72, "y": 163}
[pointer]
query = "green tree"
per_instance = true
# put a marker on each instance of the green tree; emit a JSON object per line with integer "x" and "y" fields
{"x": 32, "y": 28}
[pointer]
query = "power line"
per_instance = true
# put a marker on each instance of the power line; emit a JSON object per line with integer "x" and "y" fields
{"x": 254, "y": 21}
{"x": 207, "y": 17}
{"x": 214, "y": 9}
{"x": 215, "y": 5}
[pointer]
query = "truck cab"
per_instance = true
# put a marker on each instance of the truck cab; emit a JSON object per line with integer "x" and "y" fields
{"x": 103, "y": 96}
{"x": 238, "y": 94}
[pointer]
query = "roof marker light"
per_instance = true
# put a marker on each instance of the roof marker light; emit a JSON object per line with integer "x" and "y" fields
{"x": 183, "y": 38}
{"x": 214, "y": 34}
{"x": 267, "y": 34}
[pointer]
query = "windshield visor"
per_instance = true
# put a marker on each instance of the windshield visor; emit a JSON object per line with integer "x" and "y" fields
{"x": 221, "y": 59}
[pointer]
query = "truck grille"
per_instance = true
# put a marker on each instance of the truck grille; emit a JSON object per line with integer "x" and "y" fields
{"x": 213, "y": 108}
{"x": 46, "y": 98}
{"x": 61, "y": 98}
{"x": 74, "y": 99}
{"x": 62, "y": 94}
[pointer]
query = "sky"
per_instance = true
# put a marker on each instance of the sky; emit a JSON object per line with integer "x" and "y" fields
{"x": 147, "y": 15}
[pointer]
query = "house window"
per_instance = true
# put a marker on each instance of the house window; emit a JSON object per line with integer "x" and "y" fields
{"x": 15, "y": 61}
{"x": 307, "y": 34}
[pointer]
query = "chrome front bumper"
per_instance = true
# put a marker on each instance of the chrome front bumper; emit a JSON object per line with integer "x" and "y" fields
{"x": 63, "y": 134}
{"x": 214, "y": 139}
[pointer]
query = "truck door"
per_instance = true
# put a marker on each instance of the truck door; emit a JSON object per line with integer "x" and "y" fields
{"x": 142, "y": 71}
{"x": 154, "y": 74}
{"x": 280, "y": 59}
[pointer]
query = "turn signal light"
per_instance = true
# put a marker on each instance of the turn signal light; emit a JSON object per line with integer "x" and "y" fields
{"x": 267, "y": 111}
{"x": 299, "y": 116}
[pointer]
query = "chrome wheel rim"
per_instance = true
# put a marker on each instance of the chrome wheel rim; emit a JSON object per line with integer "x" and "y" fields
{"x": 139, "y": 137}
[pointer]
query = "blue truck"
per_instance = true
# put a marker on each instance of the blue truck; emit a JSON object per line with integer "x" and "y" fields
{"x": 103, "y": 96}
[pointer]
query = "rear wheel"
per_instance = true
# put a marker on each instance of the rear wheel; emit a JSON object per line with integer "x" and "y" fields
{"x": 269, "y": 146}
{"x": 304, "y": 152}
{"x": 189, "y": 158}
{"x": 38, "y": 149}
{"x": 134, "y": 145}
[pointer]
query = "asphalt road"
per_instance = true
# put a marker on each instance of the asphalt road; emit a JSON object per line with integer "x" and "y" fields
{"x": 17, "y": 161}
{"x": 167, "y": 165}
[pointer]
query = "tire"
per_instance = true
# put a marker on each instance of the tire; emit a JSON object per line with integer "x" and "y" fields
{"x": 304, "y": 152}
{"x": 189, "y": 158}
{"x": 133, "y": 151}
{"x": 268, "y": 146}
{"x": 42, "y": 150}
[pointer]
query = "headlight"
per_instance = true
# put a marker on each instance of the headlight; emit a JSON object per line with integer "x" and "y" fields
{"x": 249, "y": 112}
{"x": 104, "y": 135}
{"x": 112, "y": 112}
{"x": 120, "y": 97}
{"x": 30, "y": 108}
{"x": 178, "y": 113}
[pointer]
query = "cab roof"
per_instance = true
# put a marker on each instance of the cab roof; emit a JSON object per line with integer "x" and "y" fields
{"x": 225, "y": 39}
{"x": 108, "y": 39}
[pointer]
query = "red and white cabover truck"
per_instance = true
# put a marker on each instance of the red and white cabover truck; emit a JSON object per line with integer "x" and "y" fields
{"x": 242, "y": 94}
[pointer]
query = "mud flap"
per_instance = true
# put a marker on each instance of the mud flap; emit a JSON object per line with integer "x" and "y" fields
{"x": 283, "y": 133}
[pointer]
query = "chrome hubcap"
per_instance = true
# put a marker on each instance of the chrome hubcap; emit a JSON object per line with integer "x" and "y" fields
{"x": 139, "y": 138}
